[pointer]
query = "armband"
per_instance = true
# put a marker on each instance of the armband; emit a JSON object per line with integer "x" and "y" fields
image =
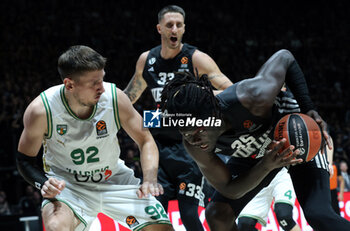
{"x": 295, "y": 80}
{"x": 30, "y": 171}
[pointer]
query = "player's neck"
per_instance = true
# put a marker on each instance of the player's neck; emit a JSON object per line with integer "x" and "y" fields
{"x": 80, "y": 110}
{"x": 169, "y": 53}
{"x": 226, "y": 125}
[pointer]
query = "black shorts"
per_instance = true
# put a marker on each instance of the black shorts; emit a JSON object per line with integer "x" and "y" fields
{"x": 238, "y": 166}
{"x": 180, "y": 176}
{"x": 311, "y": 186}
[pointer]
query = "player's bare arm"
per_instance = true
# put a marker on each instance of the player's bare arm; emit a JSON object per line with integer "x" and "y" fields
{"x": 131, "y": 121}
{"x": 137, "y": 84}
{"x": 219, "y": 176}
{"x": 35, "y": 128}
{"x": 279, "y": 68}
{"x": 258, "y": 94}
{"x": 206, "y": 65}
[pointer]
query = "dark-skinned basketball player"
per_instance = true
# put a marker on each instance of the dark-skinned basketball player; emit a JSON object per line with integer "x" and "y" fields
{"x": 250, "y": 101}
{"x": 178, "y": 173}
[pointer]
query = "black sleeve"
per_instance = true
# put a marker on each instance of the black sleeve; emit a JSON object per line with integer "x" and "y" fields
{"x": 30, "y": 171}
{"x": 295, "y": 79}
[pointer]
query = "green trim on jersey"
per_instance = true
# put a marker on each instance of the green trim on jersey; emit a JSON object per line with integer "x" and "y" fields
{"x": 65, "y": 103}
{"x": 115, "y": 105}
{"x": 161, "y": 222}
{"x": 48, "y": 115}
{"x": 285, "y": 202}
{"x": 259, "y": 219}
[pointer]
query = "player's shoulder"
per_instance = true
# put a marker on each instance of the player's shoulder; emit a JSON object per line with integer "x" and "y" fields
{"x": 142, "y": 59}
{"x": 144, "y": 55}
{"x": 37, "y": 105}
{"x": 35, "y": 110}
{"x": 202, "y": 59}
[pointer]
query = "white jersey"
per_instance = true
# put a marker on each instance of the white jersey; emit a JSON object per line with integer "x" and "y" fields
{"x": 85, "y": 153}
{"x": 81, "y": 150}
{"x": 280, "y": 189}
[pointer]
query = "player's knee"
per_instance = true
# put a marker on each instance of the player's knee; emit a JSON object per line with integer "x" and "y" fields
{"x": 284, "y": 214}
{"x": 247, "y": 224}
{"x": 55, "y": 225}
{"x": 219, "y": 213}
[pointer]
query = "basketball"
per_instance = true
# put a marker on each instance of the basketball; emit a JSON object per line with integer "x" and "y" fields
{"x": 301, "y": 131}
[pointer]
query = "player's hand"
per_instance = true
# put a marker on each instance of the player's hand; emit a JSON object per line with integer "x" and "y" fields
{"x": 52, "y": 187}
{"x": 155, "y": 189}
{"x": 340, "y": 197}
{"x": 275, "y": 158}
{"x": 314, "y": 114}
{"x": 331, "y": 170}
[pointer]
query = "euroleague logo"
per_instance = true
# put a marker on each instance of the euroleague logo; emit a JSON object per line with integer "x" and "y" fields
{"x": 184, "y": 60}
{"x": 101, "y": 128}
{"x": 131, "y": 221}
{"x": 250, "y": 125}
{"x": 182, "y": 188}
{"x": 247, "y": 124}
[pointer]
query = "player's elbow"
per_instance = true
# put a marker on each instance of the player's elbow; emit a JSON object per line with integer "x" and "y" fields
{"x": 286, "y": 55}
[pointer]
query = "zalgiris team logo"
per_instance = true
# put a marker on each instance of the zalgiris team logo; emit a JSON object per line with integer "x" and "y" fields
{"x": 61, "y": 129}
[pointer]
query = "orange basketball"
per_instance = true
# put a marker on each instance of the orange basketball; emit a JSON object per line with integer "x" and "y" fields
{"x": 301, "y": 131}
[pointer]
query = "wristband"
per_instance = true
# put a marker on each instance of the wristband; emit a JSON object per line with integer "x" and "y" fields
{"x": 30, "y": 171}
{"x": 295, "y": 80}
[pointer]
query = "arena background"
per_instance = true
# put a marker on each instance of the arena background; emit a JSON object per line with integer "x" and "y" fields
{"x": 238, "y": 35}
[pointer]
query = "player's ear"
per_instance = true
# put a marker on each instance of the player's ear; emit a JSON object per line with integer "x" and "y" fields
{"x": 68, "y": 83}
{"x": 158, "y": 28}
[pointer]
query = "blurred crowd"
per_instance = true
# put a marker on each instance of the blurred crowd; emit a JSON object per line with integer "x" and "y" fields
{"x": 239, "y": 36}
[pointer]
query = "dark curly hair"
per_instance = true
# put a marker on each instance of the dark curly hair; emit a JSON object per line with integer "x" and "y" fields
{"x": 187, "y": 93}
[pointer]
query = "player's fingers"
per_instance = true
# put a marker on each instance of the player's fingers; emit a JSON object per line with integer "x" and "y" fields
{"x": 139, "y": 193}
{"x": 52, "y": 188}
{"x": 161, "y": 189}
{"x": 286, "y": 152}
{"x": 277, "y": 146}
{"x": 292, "y": 155}
{"x": 44, "y": 194}
{"x": 151, "y": 189}
{"x": 328, "y": 139}
{"x": 156, "y": 190}
{"x": 295, "y": 161}
{"x": 57, "y": 183}
{"x": 145, "y": 190}
{"x": 61, "y": 185}
{"x": 49, "y": 191}
{"x": 292, "y": 159}
{"x": 324, "y": 127}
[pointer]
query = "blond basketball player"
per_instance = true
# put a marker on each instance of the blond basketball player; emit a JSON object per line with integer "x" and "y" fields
{"x": 77, "y": 123}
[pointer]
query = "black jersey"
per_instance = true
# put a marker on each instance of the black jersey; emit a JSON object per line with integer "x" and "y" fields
{"x": 250, "y": 135}
{"x": 157, "y": 73}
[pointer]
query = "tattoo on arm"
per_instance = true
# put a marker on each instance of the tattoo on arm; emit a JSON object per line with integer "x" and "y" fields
{"x": 134, "y": 89}
{"x": 222, "y": 85}
{"x": 213, "y": 77}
